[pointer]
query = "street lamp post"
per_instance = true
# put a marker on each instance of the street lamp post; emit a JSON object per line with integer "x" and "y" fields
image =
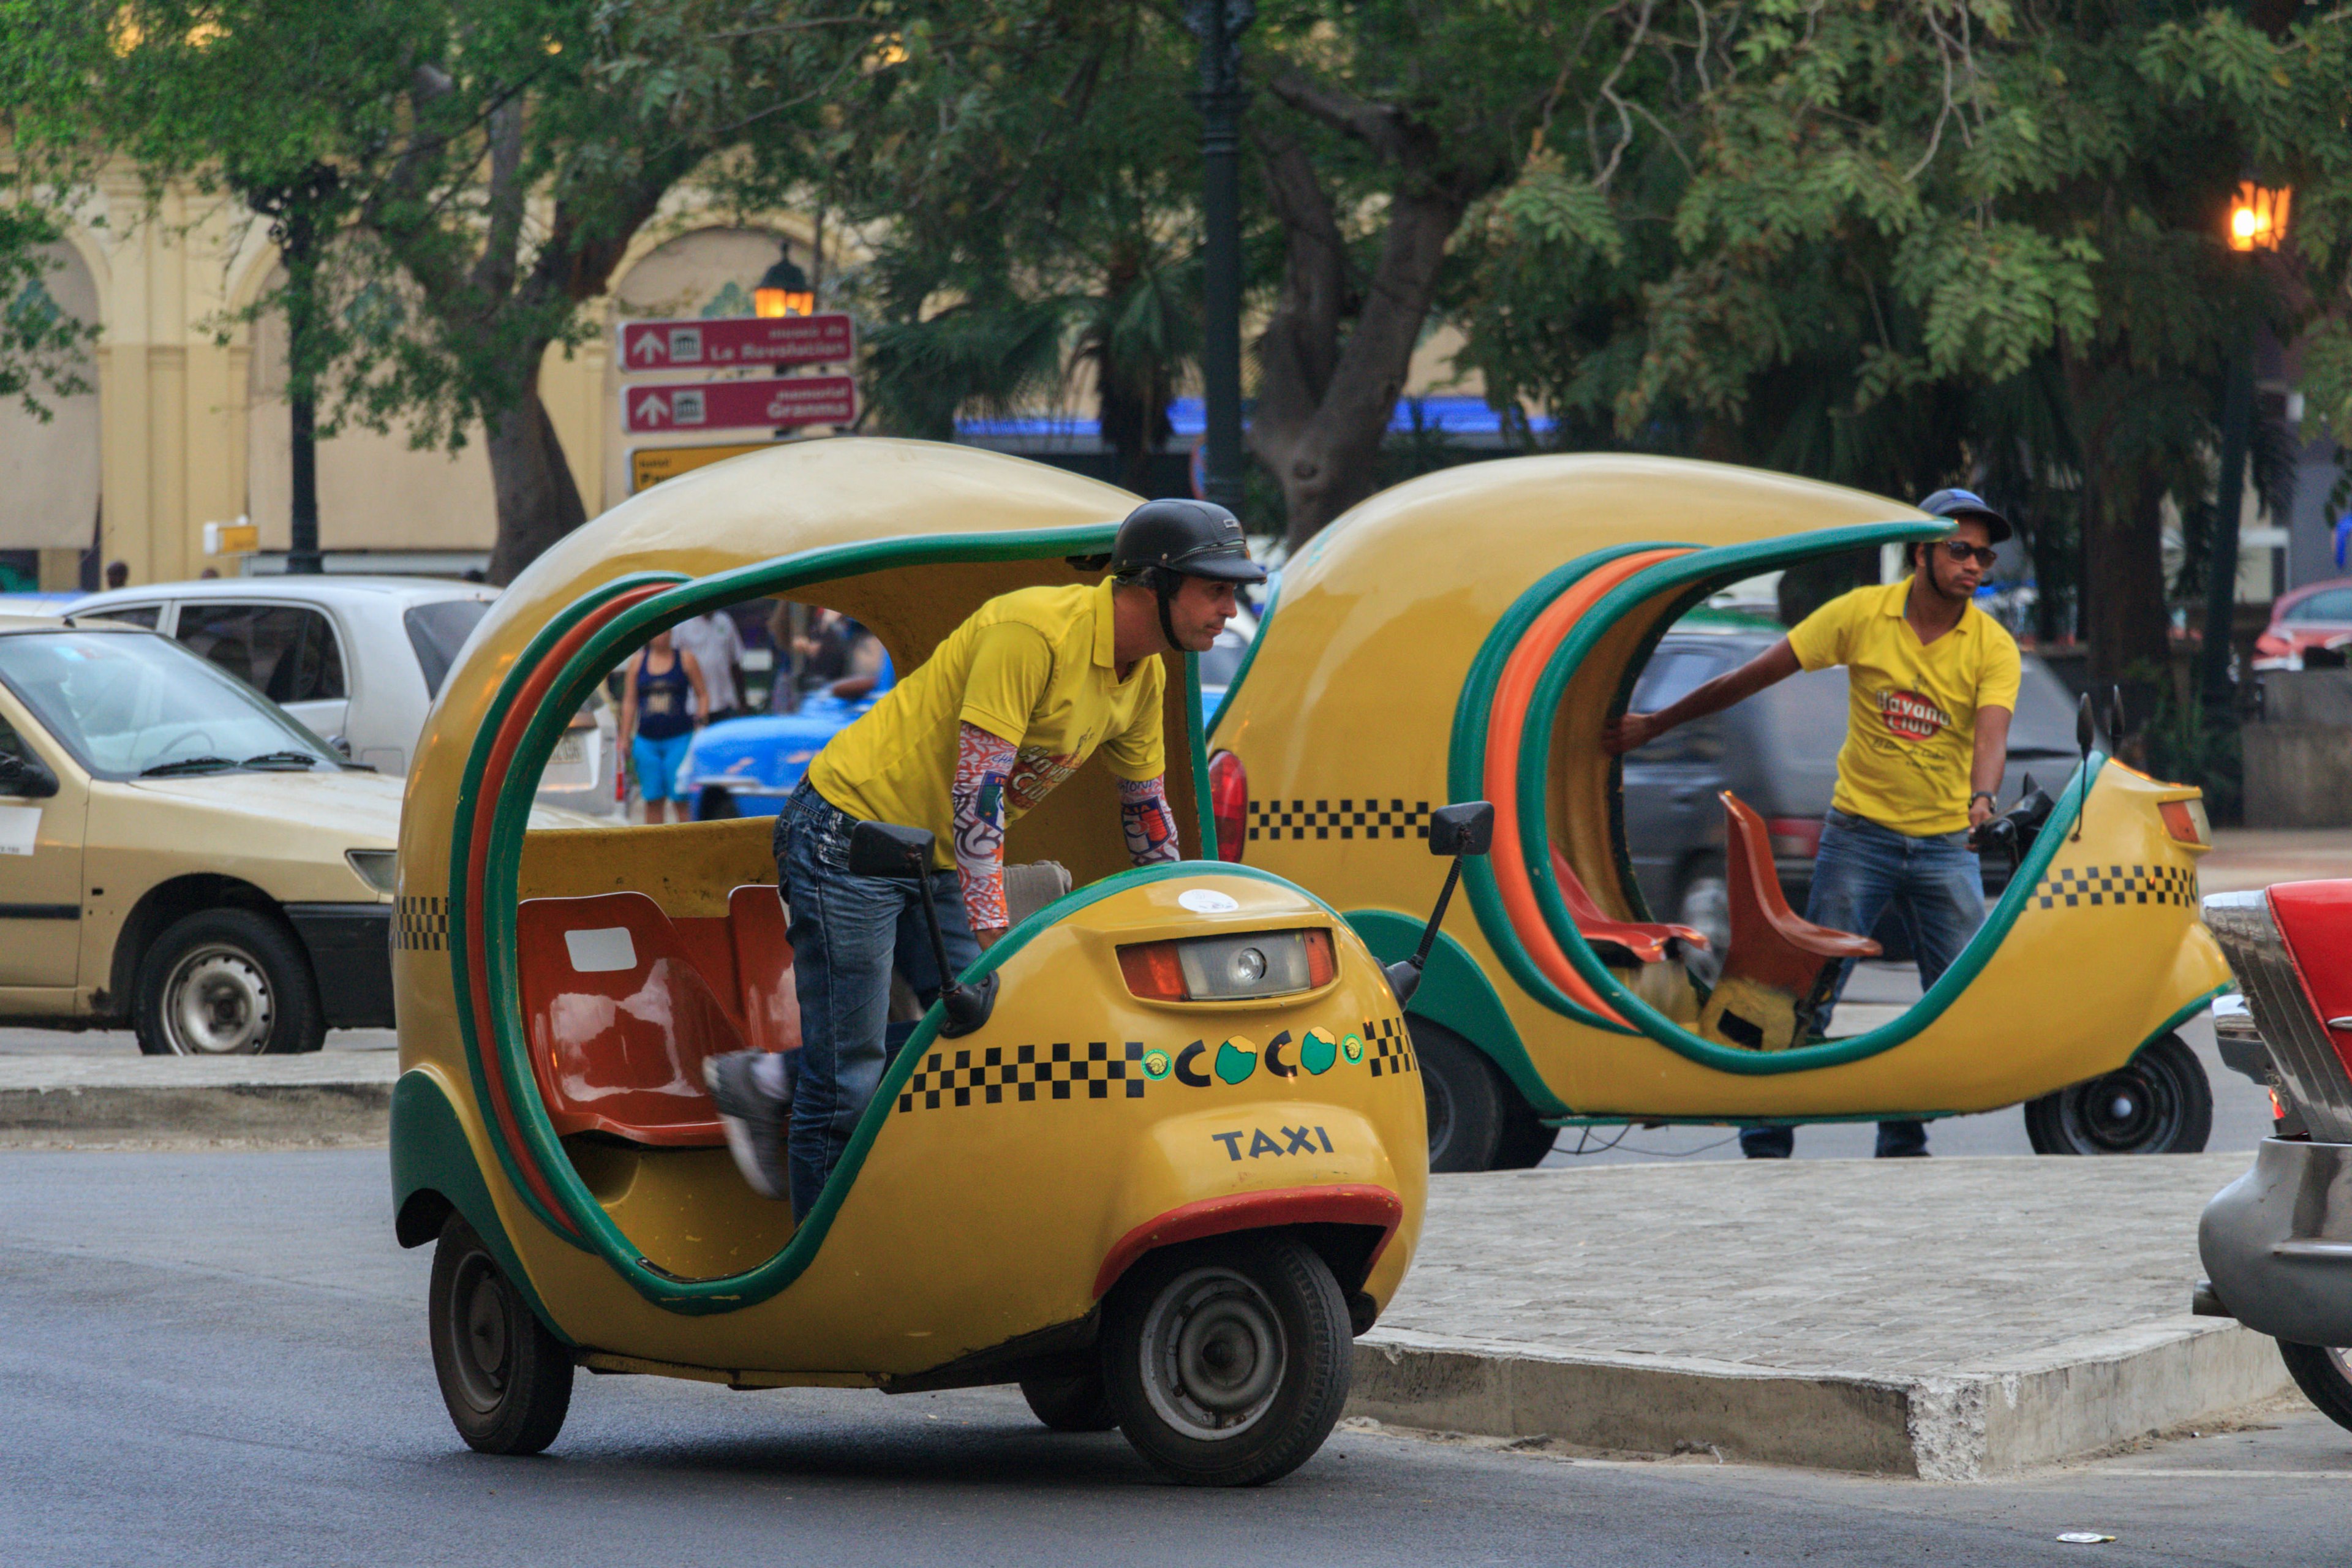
{"x": 1219, "y": 25}
{"x": 2257, "y": 222}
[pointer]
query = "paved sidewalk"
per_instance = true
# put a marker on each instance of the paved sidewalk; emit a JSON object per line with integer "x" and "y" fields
{"x": 87, "y": 1099}
{"x": 2245, "y": 857}
{"x": 1947, "y": 1318}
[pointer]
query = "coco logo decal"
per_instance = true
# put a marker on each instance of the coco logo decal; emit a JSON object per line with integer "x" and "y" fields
{"x": 1297, "y": 1140}
{"x": 1911, "y": 717}
{"x": 1237, "y": 1059}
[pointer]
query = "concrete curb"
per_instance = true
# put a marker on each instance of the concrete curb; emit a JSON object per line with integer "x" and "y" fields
{"x": 2078, "y": 1399}
{"x": 308, "y": 1113}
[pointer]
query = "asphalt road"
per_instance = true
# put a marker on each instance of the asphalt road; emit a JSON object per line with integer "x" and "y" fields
{"x": 221, "y": 1359}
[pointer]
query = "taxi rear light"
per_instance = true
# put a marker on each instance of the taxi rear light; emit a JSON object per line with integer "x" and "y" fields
{"x": 1228, "y": 803}
{"x": 1240, "y": 967}
{"x": 2185, "y": 820}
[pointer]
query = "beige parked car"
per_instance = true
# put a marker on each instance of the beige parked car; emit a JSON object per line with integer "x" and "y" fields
{"x": 178, "y": 854}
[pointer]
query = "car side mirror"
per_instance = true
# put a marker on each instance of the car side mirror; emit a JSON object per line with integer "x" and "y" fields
{"x": 1464, "y": 830}
{"x": 26, "y": 777}
{"x": 887, "y": 849}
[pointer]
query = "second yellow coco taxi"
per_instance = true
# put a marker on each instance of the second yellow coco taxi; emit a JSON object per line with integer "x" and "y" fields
{"x": 1468, "y": 634}
{"x": 1161, "y": 1183}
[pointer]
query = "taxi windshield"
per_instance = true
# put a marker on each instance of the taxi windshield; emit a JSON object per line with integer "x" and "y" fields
{"x": 128, "y": 705}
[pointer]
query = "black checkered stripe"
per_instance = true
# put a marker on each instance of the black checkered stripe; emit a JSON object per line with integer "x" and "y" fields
{"x": 1279, "y": 819}
{"x": 1387, "y": 1049}
{"x": 953, "y": 1078}
{"x": 421, "y": 925}
{"x": 2096, "y": 885}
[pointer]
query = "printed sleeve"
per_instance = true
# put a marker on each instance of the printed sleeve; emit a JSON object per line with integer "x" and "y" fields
{"x": 1149, "y": 821}
{"x": 977, "y": 799}
{"x": 1011, "y": 667}
{"x": 1824, "y": 637}
{"x": 2001, "y": 670}
{"x": 1139, "y": 752}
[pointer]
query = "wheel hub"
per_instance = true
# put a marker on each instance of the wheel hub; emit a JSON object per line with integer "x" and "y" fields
{"x": 482, "y": 1334}
{"x": 218, "y": 1003}
{"x": 1214, "y": 1354}
{"x": 2126, "y": 1112}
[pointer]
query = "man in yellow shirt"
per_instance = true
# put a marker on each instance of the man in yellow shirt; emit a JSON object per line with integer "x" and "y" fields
{"x": 1932, "y": 681}
{"x": 1012, "y": 703}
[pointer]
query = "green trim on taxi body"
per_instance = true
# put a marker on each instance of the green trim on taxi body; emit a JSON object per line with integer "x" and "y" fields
{"x": 500, "y": 872}
{"x": 1473, "y": 716}
{"x": 1455, "y": 991}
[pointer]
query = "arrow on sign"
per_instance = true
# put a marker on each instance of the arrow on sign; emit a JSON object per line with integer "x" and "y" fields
{"x": 652, "y": 409}
{"x": 650, "y": 347}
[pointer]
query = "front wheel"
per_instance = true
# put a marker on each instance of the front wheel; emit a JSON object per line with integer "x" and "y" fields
{"x": 2320, "y": 1370}
{"x": 1227, "y": 1361}
{"x": 2159, "y": 1103}
{"x": 506, "y": 1380}
{"x": 1464, "y": 1098}
{"x": 226, "y": 982}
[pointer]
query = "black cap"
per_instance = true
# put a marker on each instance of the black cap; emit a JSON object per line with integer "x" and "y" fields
{"x": 1196, "y": 538}
{"x": 1958, "y": 504}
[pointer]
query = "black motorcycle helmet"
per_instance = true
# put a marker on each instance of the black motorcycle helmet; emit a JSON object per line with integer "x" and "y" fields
{"x": 1164, "y": 542}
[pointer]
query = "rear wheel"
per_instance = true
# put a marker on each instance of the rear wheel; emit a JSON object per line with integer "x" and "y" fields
{"x": 506, "y": 1380}
{"x": 716, "y": 805}
{"x": 2320, "y": 1370}
{"x": 1526, "y": 1139}
{"x": 2159, "y": 1103}
{"x": 1464, "y": 1097}
{"x": 1227, "y": 1361}
{"x": 1071, "y": 1404}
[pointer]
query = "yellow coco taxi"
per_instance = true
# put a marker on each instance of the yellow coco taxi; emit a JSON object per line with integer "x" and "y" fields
{"x": 1469, "y": 634}
{"x": 1160, "y": 1186}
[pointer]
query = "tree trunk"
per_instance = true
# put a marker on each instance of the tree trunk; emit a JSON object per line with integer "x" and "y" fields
{"x": 537, "y": 502}
{"x": 2124, "y": 615}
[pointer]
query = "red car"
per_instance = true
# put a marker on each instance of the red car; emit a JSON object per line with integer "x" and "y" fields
{"x": 2314, "y": 616}
{"x": 2277, "y": 1242}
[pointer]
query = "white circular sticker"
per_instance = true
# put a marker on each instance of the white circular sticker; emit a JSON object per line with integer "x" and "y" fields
{"x": 1206, "y": 901}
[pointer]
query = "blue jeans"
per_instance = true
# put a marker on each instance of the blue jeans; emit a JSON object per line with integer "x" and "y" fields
{"x": 846, "y": 932}
{"x": 1937, "y": 891}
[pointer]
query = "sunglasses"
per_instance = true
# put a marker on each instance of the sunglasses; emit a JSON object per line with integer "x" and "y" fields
{"x": 1961, "y": 549}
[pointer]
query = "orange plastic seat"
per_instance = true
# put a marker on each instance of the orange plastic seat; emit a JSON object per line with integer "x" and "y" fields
{"x": 770, "y": 1004}
{"x": 1646, "y": 942}
{"x": 620, "y": 1017}
{"x": 1781, "y": 967}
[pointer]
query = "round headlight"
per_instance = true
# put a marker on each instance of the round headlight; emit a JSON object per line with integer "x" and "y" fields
{"x": 1248, "y": 966}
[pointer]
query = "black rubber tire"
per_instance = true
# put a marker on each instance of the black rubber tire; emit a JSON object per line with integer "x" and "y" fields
{"x": 1526, "y": 1139}
{"x": 1464, "y": 1096}
{"x": 1269, "y": 1290}
{"x": 2323, "y": 1378}
{"x": 506, "y": 1380}
{"x": 2159, "y": 1103}
{"x": 716, "y": 805}
{"x": 259, "y": 968}
{"x": 1071, "y": 1404}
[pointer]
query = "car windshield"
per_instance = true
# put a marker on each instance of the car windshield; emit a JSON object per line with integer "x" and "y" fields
{"x": 126, "y": 704}
{"x": 437, "y": 631}
{"x": 1224, "y": 658}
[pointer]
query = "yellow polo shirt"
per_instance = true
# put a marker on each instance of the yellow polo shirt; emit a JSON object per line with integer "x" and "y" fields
{"x": 1032, "y": 666}
{"x": 1911, "y": 708}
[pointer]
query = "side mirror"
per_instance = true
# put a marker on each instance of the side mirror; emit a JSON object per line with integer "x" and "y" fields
{"x": 887, "y": 849}
{"x": 1465, "y": 828}
{"x": 26, "y": 777}
{"x": 2086, "y": 729}
{"x": 904, "y": 854}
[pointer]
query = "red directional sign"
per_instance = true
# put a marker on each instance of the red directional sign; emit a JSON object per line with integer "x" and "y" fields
{"x": 737, "y": 341}
{"x": 776, "y": 404}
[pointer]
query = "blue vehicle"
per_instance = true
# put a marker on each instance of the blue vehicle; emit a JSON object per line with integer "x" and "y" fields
{"x": 746, "y": 767}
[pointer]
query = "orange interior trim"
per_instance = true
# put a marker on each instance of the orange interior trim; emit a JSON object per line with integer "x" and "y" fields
{"x": 1506, "y": 723}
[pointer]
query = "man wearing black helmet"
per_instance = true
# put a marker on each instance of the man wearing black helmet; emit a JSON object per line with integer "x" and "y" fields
{"x": 1931, "y": 681}
{"x": 1008, "y": 705}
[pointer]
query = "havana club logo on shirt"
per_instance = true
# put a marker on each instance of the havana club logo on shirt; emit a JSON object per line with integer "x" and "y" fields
{"x": 1911, "y": 717}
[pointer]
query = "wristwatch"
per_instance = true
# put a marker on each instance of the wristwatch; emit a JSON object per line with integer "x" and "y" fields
{"x": 1984, "y": 795}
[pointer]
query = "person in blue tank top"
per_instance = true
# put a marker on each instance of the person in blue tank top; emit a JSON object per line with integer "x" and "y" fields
{"x": 662, "y": 701}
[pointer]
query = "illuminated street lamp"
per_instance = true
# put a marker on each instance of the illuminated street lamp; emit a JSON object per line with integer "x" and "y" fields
{"x": 2257, "y": 222}
{"x": 2258, "y": 217}
{"x": 784, "y": 290}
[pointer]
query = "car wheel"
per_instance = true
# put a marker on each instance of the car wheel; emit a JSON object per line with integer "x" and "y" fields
{"x": 1078, "y": 1404}
{"x": 226, "y": 982}
{"x": 1464, "y": 1097}
{"x": 2158, "y": 1102}
{"x": 2321, "y": 1371}
{"x": 1526, "y": 1139}
{"x": 506, "y": 1380}
{"x": 716, "y": 805}
{"x": 1228, "y": 1361}
{"x": 1704, "y": 904}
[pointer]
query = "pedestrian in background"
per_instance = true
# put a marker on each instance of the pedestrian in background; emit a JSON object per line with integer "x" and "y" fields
{"x": 716, "y": 647}
{"x": 662, "y": 700}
